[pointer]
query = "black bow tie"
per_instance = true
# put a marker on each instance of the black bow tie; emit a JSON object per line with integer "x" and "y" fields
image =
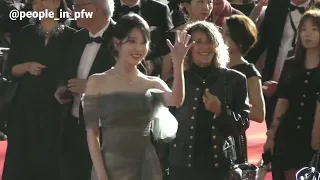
{"x": 126, "y": 9}
{"x": 300, "y": 9}
{"x": 98, "y": 40}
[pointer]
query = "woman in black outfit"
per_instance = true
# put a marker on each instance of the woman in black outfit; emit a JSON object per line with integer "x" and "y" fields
{"x": 216, "y": 106}
{"x": 34, "y": 128}
{"x": 240, "y": 34}
{"x": 289, "y": 138}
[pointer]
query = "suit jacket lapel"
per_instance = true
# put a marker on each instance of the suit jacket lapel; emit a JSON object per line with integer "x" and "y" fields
{"x": 104, "y": 59}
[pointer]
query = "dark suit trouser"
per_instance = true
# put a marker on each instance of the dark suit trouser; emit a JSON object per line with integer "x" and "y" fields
{"x": 76, "y": 163}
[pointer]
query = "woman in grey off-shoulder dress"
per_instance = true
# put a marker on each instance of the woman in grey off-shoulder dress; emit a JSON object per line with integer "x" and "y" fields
{"x": 125, "y": 103}
{"x": 125, "y": 121}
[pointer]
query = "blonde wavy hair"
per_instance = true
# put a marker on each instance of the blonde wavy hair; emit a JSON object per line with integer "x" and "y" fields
{"x": 221, "y": 57}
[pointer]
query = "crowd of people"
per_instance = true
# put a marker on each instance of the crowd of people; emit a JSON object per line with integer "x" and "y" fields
{"x": 100, "y": 98}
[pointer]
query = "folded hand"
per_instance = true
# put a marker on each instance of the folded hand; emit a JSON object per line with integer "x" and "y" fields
{"x": 77, "y": 85}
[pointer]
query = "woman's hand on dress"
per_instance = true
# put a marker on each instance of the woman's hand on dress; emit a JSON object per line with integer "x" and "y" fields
{"x": 34, "y": 68}
{"x": 211, "y": 102}
{"x": 180, "y": 48}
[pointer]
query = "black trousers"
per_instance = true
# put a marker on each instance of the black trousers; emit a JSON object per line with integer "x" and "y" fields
{"x": 76, "y": 163}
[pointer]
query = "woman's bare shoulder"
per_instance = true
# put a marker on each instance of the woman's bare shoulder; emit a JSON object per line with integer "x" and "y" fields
{"x": 101, "y": 76}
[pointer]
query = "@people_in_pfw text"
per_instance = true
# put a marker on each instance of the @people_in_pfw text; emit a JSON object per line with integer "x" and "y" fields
{"x": 19, "y": 15}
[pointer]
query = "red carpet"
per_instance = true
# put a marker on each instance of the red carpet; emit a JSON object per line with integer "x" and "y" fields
{"x": 256, "y": 138}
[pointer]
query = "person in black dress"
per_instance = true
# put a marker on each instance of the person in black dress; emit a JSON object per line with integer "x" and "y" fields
{"x": 34, "y": 127}
{"x": 289, "y": 138}
{"x": 240, "y": 33}
{"x": 216, "y": 106}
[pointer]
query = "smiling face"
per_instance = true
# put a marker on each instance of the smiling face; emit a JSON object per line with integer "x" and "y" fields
{"x": 309, "y": 35}
{"x": 134, "y": 48}
{"x": 203, "y": 51}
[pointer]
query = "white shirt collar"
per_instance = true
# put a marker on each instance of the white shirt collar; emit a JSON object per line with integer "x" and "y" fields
{"x": 136, "y": 4}
{"x": 100, "y": 33}
{"x": 302, "y": 5}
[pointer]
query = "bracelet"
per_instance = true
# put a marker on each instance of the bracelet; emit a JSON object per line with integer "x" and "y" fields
{"x": 318, "y": 97}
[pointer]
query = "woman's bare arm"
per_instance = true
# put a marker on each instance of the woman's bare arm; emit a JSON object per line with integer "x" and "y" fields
{"x": 92, "y": 127}
{"x": 257, "y": 110}
{"x": 174, "y": 97}
{"x": 20, "y": 69}
{"x": 279, "y": 113}
{"x": 95, "y": 153}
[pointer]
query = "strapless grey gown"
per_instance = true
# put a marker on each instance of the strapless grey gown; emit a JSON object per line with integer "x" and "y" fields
{"x": 125, "y": 121}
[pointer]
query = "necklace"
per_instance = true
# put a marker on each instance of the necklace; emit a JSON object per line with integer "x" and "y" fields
{"x": 202, "y": 79}
{"x": 54, "y": 32}
{"x": 124, "y": 79}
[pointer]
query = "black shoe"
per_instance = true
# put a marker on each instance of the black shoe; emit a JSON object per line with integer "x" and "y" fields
{"x": 3, "y": 137}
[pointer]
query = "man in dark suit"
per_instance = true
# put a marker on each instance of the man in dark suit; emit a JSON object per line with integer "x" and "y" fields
{"x": 277, "y": 36}
{"x": 159, "y": 19}
{"x": 89, "y": 55}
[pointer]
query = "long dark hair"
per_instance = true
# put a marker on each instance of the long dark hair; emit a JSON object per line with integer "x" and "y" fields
{"x": 300, "y": 50}
{"x": 124, "y": 27}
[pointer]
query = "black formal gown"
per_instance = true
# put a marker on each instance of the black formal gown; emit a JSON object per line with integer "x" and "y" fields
{"x": 249, "y": 71}
{"x": 34, "y": 125}
{"x": 293, "y": 139}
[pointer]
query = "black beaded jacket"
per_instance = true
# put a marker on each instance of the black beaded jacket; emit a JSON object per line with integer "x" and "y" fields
{"x": 231, "y": 88}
